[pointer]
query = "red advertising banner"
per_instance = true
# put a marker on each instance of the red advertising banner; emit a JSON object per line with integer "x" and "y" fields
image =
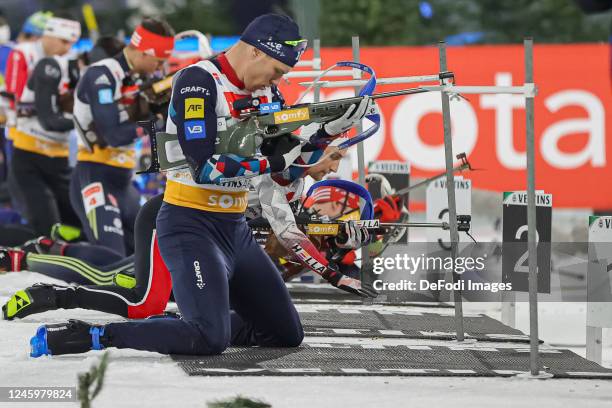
{"x": 572, "y": 116}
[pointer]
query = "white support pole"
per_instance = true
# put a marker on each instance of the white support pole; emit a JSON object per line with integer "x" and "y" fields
{"x": 528, "y": 90}
{"x": 594, "y": 324}
{"x": 360, "y": 152}
{"x": 593, "y": 343}
{"x": 508, "y": 312}
{"x": 365, "y": 258}
{"x": 309, "y": 63}
{"x": 379, "y": 81}
{"x": 317, "y": 66}
{"x": 450, "y": 189}
{"x": 317, "y": 72}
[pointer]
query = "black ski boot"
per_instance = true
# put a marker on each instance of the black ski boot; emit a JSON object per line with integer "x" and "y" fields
{"x": 36, "y": 299}
{"x": 73, "y": 337}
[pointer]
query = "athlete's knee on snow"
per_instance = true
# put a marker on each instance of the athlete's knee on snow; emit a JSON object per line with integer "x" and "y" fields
{"x": 211, "y": 340}
{"x": 216, "y": 345}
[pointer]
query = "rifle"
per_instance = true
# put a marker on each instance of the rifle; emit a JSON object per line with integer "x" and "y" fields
{"x": 262, "y": 121}
{"x": 464, "y": 165}
{"x": 332, "y": 228}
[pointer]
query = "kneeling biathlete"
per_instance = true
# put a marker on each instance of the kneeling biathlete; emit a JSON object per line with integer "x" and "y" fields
{"x": 227, "y": 289}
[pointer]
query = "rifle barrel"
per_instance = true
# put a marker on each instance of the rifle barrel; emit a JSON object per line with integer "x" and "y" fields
{"x": 408, "y": 91}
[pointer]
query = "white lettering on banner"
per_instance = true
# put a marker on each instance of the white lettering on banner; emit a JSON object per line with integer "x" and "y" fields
{"x": 504, "y": 122}
{"x": 460, "y": 184}
{"x": 595, "y": 150}
{"x": 389, "y": 167}
{"x": 405, "y": 130}
{"x": 594, "y": 125}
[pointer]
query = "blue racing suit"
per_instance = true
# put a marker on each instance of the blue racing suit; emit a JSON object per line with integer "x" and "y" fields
{"x": 226, "y": 287}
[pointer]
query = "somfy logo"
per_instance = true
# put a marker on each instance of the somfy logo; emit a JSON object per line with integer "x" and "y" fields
{"x": 199, "y": 280}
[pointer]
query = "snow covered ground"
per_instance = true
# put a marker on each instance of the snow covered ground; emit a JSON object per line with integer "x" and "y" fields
{"x": 151, "y": 380}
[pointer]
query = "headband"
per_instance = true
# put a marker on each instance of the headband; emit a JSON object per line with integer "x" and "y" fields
{"x": 69, "y": 30}
{"x": 152, "y": 44}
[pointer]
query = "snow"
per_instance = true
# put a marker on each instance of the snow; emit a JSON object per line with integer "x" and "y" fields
{"x": 136, "y": 378}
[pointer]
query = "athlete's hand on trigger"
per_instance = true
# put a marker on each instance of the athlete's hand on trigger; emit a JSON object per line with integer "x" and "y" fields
{"x": 350, "y": 285}
{"x": 353, "y": 236}
{"x": 352, "y": 117}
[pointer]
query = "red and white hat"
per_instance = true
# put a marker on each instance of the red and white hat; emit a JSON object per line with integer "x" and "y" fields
{"x": 152, "y": 44}
{"x": 69, "y": 30}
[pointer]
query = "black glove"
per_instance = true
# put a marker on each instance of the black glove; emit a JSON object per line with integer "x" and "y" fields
{"x": 350, "y": 285}
{"x": 352, "y": 236}
{"x": 283, "y": 158}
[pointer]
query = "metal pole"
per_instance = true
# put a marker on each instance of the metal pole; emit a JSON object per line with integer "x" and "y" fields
{"x": 531, "y": 217}
{"x": 365, "y": 257}
{"x": 317, "y": 66}
{"x": 360, "y": 152}
{"x": 450, "y": 189}
{"x": 508, "y": 313}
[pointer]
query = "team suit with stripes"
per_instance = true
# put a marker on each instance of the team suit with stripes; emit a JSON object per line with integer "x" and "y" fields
{"x": 40, "y": 168}
{"x": 101, "y": 190}
{"x": 20, "y": 64}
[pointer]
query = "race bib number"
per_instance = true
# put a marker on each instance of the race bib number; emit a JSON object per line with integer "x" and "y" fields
{"x": 93, "y": 196}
